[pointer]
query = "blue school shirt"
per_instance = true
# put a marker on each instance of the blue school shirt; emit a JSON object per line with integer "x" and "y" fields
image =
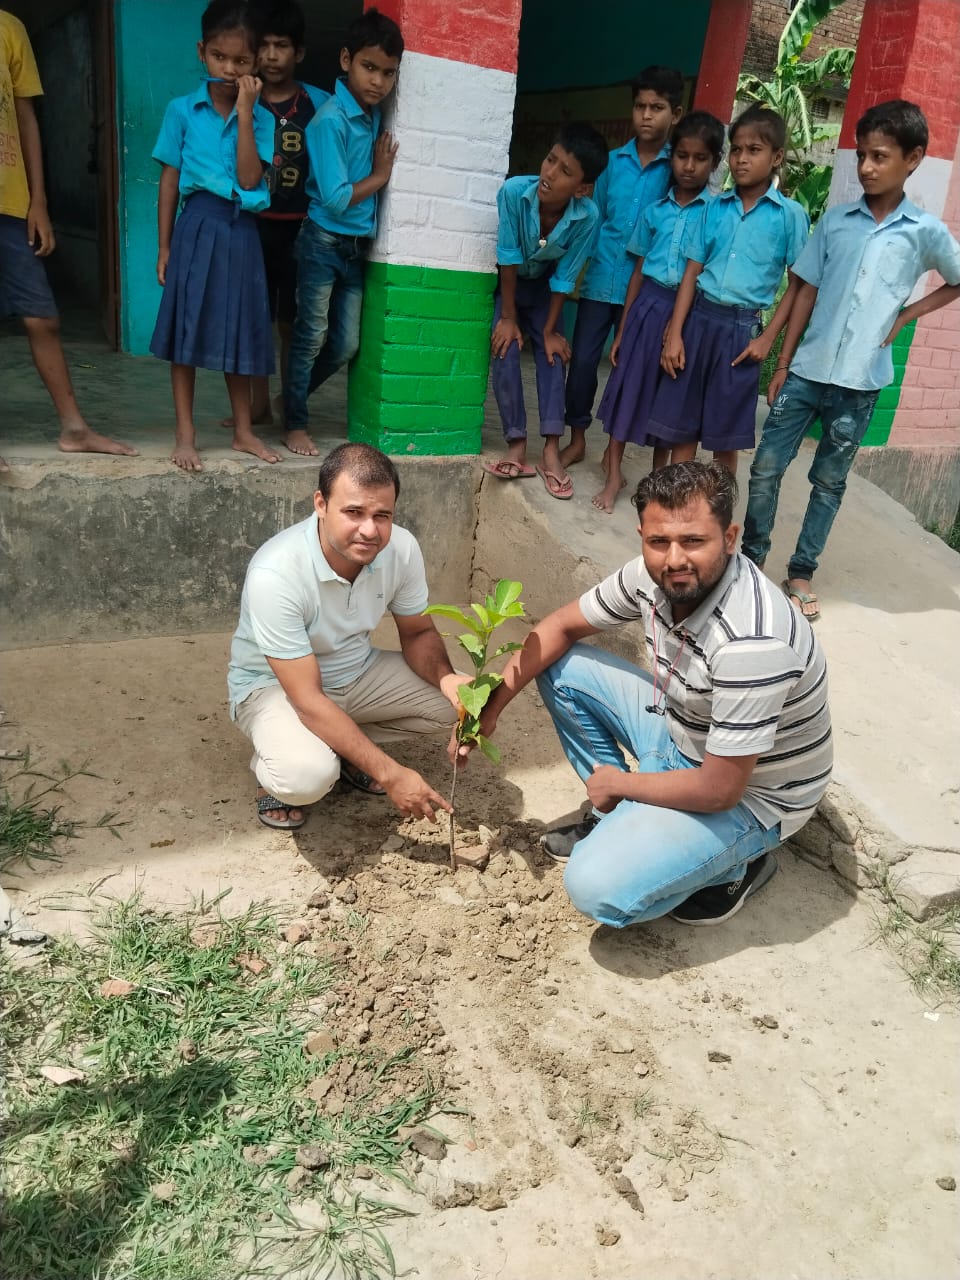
{"x": 340, "y": 142}
{"x": 195, "y": 139}
{"x": 744, "y": 254}
{"x": 518, "y": 239}
{"x": 663, "y": 233}
{"x": 622, "y": 192}
{"x": 864, "y": 272}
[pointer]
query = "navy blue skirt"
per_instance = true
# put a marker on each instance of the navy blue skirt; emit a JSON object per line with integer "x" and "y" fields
{"x": 215, "y": 312}
{"x": 711, "y": 400}
{"x": 629, "y": 395}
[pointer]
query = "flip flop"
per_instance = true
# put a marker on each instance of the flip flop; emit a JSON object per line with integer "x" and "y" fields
{"x": 507, "y": 469}
{"x": 266, "y": 803}
{"x": 563, "y": 491}
{"x": 805, "y": 597}
{"x": 361, "y": 781}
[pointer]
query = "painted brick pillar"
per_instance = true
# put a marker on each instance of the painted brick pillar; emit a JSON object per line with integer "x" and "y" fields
{"x": 723, "y": 49}
{"x": 911, "y": 49}
{"x": 419, "y": 381}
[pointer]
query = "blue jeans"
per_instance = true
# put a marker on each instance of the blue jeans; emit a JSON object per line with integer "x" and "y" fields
{"x": 326, "y": 331}
{"x": 590, "y": 332}
{"x": 533, "y": 305}
{"x": 845, "y": 415}
{"x": 641, "y": 860}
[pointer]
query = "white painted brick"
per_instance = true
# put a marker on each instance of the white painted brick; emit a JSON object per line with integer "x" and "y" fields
{"x": 453, "y": 122}
{"x": 459, "y": 215}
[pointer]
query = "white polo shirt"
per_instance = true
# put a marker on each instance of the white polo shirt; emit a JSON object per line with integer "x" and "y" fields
{"x": 294, "y": 604}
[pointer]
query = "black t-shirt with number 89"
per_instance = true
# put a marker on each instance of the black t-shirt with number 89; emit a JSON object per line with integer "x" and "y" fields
{"x": 286, "y": 177}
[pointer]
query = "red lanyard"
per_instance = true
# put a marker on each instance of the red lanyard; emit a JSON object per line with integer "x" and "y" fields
{"x": 658, "y": 706}
{"x": 283, "y": 116}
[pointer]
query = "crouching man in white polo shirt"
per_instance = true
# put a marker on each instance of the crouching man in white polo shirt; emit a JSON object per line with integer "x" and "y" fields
{"x": 306, "y": 686}
{"x": 730, "y": 728}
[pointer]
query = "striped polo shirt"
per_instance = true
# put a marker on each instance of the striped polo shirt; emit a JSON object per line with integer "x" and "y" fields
{"x": 748, "y": 677}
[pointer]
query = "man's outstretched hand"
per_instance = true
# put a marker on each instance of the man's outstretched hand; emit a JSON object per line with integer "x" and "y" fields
{"x": 413, "y": 795}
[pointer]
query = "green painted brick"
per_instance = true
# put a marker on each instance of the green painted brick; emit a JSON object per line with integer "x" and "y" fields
{"x": 888, "y": 398}
{"x": 459, "y": 282}
{"x": 398, "y": 388}
{"x": 426, "y": 304}
{"x": 420, "y": 444}
{"x": 880, "y": 427}
{"x": 475, "y": 361}
{"x": 424, "y": 360}
{"x": 427, "y": 418}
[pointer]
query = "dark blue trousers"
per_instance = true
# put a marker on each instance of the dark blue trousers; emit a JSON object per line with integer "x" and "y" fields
{"x": 590, "y": 333}
{"x": 533, "y": 305}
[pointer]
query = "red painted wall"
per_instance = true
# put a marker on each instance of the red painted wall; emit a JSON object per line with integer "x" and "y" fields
{"x": 483, "y": 33}
{"x": 723, "y": 50}
{"x": 909, "y": 49}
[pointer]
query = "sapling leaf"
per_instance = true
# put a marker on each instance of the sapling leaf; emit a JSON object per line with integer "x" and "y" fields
{"x": 489, "y": 749}
{"x": 451, "y": 611}
{"x": 511, "y": 646}
{"x": 482, "y": 614}
{"x": 505, "y": 593}
{"x": 476, "y": 649}
{"x": 473, "y": 698}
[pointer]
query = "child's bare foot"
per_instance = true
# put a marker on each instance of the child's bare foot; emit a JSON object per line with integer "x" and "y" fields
{"x": 297, "y": 441}
{"x": 84, "y": 440}
{"x": 607, "y": 497}
{"x": 259, "y": 417}
{"x": 245, "y": 442}
{"x": 186, "y": 457}
{"x": 574, "y": 452}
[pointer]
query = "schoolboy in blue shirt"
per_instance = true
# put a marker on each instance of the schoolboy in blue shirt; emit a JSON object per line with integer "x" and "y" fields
{"x": 637, "y": 175}
{"x": 860, "y": 266}
{"x": 350, "y": 162}
{"x": 547, "y": 226}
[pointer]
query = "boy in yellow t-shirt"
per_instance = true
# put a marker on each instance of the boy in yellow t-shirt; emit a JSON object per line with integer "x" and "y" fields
{"x": 26, "y": 236}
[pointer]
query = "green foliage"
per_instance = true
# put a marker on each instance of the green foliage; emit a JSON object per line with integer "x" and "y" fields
{"x": 787, "y": 93}
{"x": 496, "y": 609}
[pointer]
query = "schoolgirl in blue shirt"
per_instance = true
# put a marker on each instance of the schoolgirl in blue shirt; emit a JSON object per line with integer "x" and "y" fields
{"x": 714, "y": 344}
{"x": 658, "y": 246}
{"x": 214, "y": 314}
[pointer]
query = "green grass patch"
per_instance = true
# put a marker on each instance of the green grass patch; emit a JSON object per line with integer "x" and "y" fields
{"x": 32, "y": 824}
{"x": 927, "y": 951}
{"x": 169, "y": 1158}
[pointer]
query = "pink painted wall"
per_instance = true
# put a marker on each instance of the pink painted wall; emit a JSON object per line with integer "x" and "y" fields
{"x": 929, "y": 409}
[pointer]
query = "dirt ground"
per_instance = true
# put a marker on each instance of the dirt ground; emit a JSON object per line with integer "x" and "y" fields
{"x": 764, "y": 1099}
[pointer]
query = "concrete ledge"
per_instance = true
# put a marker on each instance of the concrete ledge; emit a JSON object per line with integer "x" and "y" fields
{"x": 105, "y": 549}
{"x": 925, "y": 481}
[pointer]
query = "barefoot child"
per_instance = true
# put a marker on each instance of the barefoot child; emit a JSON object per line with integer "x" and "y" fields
{"x": 637, "y": 175}
{"x": 749, "y": 236}
{"x": 860, "y": 266}
{"x": 26, "y": 237}
{"x": 293, "y": 105}
{"x": 214, "y": 314}
{"x": 547, "y": 226}
{"x": 659, "y": 246}
{"x": 351, "y": 161}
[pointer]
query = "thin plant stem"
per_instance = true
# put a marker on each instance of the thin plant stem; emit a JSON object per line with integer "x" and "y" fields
{"x": 453, "y": 793}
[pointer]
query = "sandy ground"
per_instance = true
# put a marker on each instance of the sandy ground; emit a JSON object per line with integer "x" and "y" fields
{"x": 764, "y": 1099}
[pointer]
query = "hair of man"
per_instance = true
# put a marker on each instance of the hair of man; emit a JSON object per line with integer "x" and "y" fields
{"x": 365, "y": 465}
{"x": 678, "y": 485}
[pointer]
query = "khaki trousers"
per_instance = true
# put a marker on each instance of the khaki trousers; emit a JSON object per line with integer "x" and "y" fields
{"x": 389, "y": 702}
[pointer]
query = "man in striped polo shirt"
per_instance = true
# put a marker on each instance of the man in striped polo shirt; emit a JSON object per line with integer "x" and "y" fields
{"x": 730, "y": 728}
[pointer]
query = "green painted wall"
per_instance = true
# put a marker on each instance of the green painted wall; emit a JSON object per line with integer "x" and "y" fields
{"x": 156, "y": 61}
{"x": 566, "y": 44}
{"x": 418, "y": 384}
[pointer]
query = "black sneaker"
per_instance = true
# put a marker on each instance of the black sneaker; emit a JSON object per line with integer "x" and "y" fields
{"x": 558, "y": 844}
{"x": 721, "y": 901}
